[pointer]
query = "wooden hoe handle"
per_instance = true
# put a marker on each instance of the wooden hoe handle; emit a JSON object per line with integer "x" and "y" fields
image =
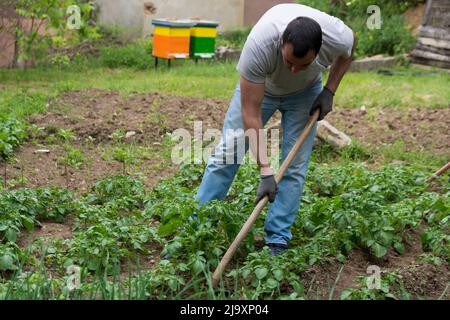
{"x": 262, "y": 203}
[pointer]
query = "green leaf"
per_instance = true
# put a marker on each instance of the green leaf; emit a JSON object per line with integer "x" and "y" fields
{"x": 379, "y": 250}
{"x": 272, "y": 283}
{"x": 261, "y": 273}
{"x": 198, "y": 267}
{"x": 7, "y": 263}
{"x": 298, "y": 287}
{"x": 399, "y": 247}
{"x": 68, "y": 263}
{"x": 51, "y": 250}
{"x": 27, "y": 223}
{"x": 278, "y": 274}
{"x": 341, "y": 258}
{"x": 168, "y": 228}
{"x": 346, "y": 294}
{"x": 233, "y": 273}
{"x": 246, "y": 273}
{"x": 11, "y": 235}
{"x": 173, "y": 284}
{"x": 385, "y": 237}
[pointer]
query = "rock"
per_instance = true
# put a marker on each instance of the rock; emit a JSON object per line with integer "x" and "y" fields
{"x": 336, "y": 138}
{"x": 398, "y": 163}
{"x": 129, "y": 134}
{"x": 225, "y": 53}
{"x": 363, "y": 110}
{"x": 42, "y": 151}
{"x": 372, "y": 63}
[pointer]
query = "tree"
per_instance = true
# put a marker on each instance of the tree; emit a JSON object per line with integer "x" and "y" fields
{"x": 35, "y": 24}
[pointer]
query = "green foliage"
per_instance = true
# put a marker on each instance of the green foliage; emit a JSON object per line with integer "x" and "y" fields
{"x": 233, "y": 38}
{"x": 393, "y": 37}
{"x": 134, "y": 55}
{"x": 364, "y": 208}
{"x": 343, "y": 207}
{"x": 74, "y": 157}
{"x": 118, "y": 187}
{"x": 9, "y": 259}
{"x": 391, "y": 287}
{"x": 24, "y": 208}
{"x": 12, "y": 134}
{"x": 325, "y": 153}
{"x": 48, "y": 26}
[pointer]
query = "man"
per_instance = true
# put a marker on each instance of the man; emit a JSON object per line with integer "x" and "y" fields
{"x": 281, "y": 69}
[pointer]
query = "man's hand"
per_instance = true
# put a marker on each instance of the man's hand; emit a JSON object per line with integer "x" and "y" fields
{"x": 324, "y": 102}
{"x": 267, "y": 187}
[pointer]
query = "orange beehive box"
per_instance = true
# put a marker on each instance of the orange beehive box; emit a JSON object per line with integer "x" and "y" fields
{"x": 171, "y": 38}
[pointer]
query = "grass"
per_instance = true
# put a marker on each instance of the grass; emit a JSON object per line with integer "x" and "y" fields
{"x": 411, "y": 87}
{"x": 26, "y": 92}
{"x": 376, "y": 156}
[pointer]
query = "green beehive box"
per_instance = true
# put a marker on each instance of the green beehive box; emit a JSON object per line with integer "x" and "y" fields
{"x": 203, "y": 39}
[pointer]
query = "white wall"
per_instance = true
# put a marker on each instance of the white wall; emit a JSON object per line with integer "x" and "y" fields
{"x": 130, "y": 13}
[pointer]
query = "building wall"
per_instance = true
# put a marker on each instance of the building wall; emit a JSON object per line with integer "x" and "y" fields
{"x": 130, "y": 13}
{"x": 6, "y": 47}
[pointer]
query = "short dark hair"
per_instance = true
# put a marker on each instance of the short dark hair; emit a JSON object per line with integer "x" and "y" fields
{"x": 304, "y": 34}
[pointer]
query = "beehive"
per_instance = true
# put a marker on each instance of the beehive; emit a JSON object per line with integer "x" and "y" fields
{"x": 203, "y": 39}
{"x": 171, "y": 38}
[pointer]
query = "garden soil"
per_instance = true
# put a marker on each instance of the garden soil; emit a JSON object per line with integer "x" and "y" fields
{"x": 94, "y": 115}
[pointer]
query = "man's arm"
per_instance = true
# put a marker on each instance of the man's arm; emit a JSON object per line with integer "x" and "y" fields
{"x": 252, "y": 95}
{"x": 339, "y": 68}
{"x": 324, "y": 101}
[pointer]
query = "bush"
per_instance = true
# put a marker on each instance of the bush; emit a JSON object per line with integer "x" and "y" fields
{"x": 393, "y": 38}
{"x": 233, "y": 38}
{"x": 12, "y": 134}
{"x": 135, "y": 55}
{"x": 118, "y": 187}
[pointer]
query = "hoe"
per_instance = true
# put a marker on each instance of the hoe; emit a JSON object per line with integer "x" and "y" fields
{"x": 262, "y": 203}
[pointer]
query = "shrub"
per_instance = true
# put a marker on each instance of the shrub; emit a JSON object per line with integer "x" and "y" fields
{"x": 233, "y": 38}
{"x": 134, "y": 55}
{"x": 393, "y": 38}
{"x": 12, "y": 134}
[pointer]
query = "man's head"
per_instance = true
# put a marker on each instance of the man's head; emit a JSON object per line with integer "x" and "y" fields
{"x": 302, "y": 40}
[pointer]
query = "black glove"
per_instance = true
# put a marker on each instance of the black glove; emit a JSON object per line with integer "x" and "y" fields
{"x": 324, "y": 102}
{"x": 267, "y": 187}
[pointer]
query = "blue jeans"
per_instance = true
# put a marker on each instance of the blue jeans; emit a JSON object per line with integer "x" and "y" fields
{"x": 219, "y": 176}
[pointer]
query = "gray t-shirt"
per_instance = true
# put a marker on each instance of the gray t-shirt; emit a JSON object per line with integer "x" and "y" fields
{"x": 261, "y": 60}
